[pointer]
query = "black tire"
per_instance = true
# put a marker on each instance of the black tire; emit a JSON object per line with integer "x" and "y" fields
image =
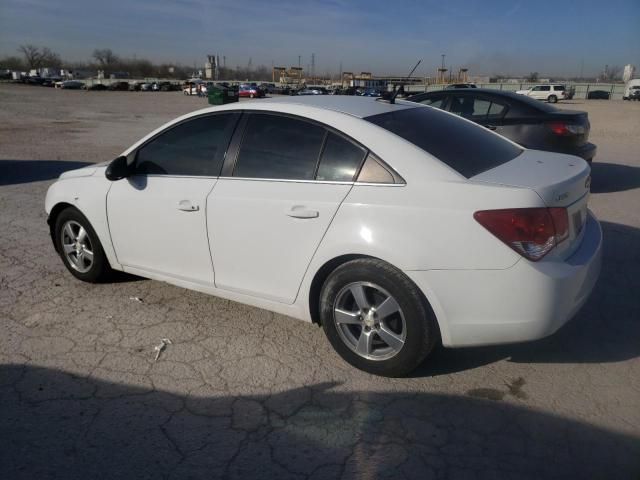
{"x": 419, "y": 321}
{"x": 99, "y": 269}
{"x": 552, "y": 99}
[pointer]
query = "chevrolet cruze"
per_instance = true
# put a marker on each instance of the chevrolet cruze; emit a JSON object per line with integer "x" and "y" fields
{"x": 395, "y": 226}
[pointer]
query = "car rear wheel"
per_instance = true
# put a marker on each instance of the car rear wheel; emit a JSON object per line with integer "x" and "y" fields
{"x": 552, "y": 99}
{"x": 376, "y": 318}
{"x": 79, "y": 247}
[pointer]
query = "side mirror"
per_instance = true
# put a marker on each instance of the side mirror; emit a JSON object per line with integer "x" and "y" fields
{"x": 118, "y": 169}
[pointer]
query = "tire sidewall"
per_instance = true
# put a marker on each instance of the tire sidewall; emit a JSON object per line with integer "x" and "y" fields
{"x": 420, "y": 331}
{"x": 100, "y": 265}
{"x": 553, "y": 99}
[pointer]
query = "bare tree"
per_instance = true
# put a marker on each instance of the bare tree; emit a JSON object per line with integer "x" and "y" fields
{"x": 49, "y": 58}
{"x": 533, "y": 77}
{"x": 105, "y": 57}
{"x": 612, "y": 73}
{"x": 36, "y": 57}
{"x": 32, "y": 55}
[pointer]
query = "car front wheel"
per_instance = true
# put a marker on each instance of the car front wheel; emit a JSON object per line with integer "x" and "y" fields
{"x": 376, "y": 318}
{"x": 79, "y": 247}
{"x": 552, "y": 99}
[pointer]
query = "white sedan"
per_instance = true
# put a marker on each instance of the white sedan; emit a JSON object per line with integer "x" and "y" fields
{"x": 395, "y": 226}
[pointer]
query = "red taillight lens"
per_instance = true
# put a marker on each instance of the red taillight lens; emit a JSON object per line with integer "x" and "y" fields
{"x": 564, "y": 129}
{"x": 532, "y": 232}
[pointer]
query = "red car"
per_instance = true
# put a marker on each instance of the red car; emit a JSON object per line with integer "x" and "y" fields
{"x": 250, "y": 91}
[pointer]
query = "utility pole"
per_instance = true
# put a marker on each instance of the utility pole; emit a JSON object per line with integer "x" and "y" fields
{"x": 313, "y": 65}
{"x": 224, "y": 61}
{"x": 443, "y": 55}
{"x": 299, "y": 59}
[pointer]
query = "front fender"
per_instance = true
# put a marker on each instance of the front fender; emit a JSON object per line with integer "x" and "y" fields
{"x": 88, "y": 194}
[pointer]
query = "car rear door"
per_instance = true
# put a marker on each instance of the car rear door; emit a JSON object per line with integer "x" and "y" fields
{"x": 269, "y": 211}
{"x": 157, "y": 215}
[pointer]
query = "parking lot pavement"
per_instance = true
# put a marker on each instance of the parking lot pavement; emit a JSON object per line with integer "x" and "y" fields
{"x": 244, "y": 393}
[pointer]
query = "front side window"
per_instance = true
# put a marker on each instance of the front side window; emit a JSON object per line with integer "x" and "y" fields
{"x": 195, "y": 148}
{"x": 279, "y": 147}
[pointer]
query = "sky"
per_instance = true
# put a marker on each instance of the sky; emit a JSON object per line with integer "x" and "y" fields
{"x": 560, "y": 37}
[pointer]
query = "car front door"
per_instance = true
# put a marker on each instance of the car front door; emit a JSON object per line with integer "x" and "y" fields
{"x": 157, "y": 216}
{"x": 267, "y": 217}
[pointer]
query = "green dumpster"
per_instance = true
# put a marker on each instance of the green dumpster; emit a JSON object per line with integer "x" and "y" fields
{"x": 219, "y": 95}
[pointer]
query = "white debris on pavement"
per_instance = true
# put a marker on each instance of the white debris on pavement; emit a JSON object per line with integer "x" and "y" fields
{"x": 159, "y": 348}
{"x": 136, "y": 299}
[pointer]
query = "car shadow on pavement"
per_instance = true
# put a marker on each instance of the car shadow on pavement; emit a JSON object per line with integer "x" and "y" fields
{"x": 612, "y": 177}
{"x": 62, "y": 425}
{"x": 605, "y": 330}
{"x": 13, "y": 172}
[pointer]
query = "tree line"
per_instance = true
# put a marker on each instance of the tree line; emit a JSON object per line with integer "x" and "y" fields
{"x": 33, "y": 57}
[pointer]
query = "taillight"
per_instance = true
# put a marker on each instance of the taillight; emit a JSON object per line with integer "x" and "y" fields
{"x": 532, "y": 232}
{"x": 565, "y": 129}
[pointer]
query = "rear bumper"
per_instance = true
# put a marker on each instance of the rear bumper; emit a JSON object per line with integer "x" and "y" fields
{"x": 528, "y": 301}
{"x": 586, "y": 151}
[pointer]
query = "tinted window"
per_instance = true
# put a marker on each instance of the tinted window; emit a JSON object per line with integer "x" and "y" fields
{"x": 195, "y": 147}
{"x": 437, "y": 102}
{"x": 373, "y": 172}
{"x": 545, "y": 89}
{"x": 340, "y": 160}
{"x": 275, "y": 146}
{"x": 559, "y": 88}
{"x": 465, "y": 147}
{"x": 496, "y": 110}
{"x": 468, "y": 106}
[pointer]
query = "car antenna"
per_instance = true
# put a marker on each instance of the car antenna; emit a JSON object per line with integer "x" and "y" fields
{"x": 395, "y": 94}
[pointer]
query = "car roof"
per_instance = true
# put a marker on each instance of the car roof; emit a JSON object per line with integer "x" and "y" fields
{"x": 356, "y": 106}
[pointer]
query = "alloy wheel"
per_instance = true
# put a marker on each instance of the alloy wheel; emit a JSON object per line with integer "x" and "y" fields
{"x": 77, "y": 246}
{"x": 369, "y": 321}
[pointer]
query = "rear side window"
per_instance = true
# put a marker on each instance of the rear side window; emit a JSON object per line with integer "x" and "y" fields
{"x": 279, "y": 147}
{"x": 467, "y": 148}
{"x": 437, "y": 102}
{"x": 340, "y": 160}
{"x": 195, "y": 148}
{"x": 559, "y": 88}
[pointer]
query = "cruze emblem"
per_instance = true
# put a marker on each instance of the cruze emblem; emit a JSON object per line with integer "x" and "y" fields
{"x": 587, "y": 182}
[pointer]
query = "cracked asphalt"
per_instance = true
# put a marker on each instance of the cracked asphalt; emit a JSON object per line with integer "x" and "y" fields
{"x": 244, "y": 393}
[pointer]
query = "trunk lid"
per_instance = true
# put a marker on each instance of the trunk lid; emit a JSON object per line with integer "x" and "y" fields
{"x": 574, "y": 126}
{"x": 560, "y": 181}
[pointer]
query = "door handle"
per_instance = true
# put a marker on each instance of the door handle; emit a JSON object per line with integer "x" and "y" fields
{"x": 491, "y": 127}
{"x": 187, "y": 206}
{"x": 300, "y": 211}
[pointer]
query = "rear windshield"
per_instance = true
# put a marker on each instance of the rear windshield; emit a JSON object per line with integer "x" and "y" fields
{"x": 465, "y": 147}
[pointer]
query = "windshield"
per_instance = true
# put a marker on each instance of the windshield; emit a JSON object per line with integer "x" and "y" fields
{"x": 464, "y": 146}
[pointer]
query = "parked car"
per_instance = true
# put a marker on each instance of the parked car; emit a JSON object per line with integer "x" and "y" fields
{"x": 528, "y": 122}
{"x": 598, "y": 95}
{"x": 250, "y": 91}
{"x": 50, "y": 81}
{"x": 632, "y": 86}
{"x": 95, "y": 87}
{"x": 394, "y": 226}
{"x": 268, "y": 88}
{"x": 550, "y": 93}
{"x": 313, "y": 91}
{"x": 460, "y": 85}
{"x": 145, "y": 87}
{"x": 70, "y": 84}
{"x": 119, "y": 86}
{"x": 372, "y": 92}
{"x": 634, "y": 93}
{"x": 192, "y": 89}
